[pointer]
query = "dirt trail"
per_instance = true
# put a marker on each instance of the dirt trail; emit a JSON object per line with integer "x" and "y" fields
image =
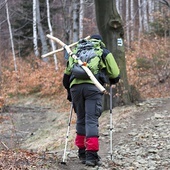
{"x": 140, "y": 136}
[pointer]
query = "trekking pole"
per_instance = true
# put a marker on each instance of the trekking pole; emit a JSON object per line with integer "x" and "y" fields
{"x": 68, "y": 130}
{"x": 111, "y": 125}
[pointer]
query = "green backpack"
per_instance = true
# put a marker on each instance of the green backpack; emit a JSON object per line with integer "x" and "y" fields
{"x": 89, "y": 52}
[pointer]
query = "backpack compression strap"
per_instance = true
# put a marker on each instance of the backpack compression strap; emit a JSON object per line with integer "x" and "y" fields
{"x": 86, "y": 69}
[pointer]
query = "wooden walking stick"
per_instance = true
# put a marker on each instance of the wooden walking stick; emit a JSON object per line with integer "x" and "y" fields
{"x": 61, "y": 49}
{"x": 86, "y": 69}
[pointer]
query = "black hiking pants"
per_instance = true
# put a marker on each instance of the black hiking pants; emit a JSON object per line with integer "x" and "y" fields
{"x": 87, "y": 101}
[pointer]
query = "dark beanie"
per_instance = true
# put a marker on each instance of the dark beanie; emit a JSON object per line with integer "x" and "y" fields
{"x": 96, "y": 36}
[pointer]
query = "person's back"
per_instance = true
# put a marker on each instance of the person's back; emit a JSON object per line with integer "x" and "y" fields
{"x": 87, "y": 101}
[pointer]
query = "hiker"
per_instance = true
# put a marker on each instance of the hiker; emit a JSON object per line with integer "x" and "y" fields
{"x": 87, "y": 100}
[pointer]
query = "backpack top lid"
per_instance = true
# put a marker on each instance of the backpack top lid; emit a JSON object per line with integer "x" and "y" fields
{"x": 96, "y": 36}
{"x": 89, "y": 52}
{"x": 88, "y": 49}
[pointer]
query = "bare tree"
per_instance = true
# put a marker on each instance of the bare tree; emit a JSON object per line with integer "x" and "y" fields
{"x": 75, "y": 5}
{"x": 11, "y": 35}
{"x": 41, "y": 31}
{"x": 165, "y": 2}
{"x": 35, "y": 43}
{"x": 51, "y": 33}
{"x": 145, "y": 16}
{"x": 150, "y": 10}
{"x": 132, "y": 20}
{"x": 127, "y": 23}
{"x": 140, "y": 28}
{"x": 66, "y": 15}
{"x": 81, "y": 17}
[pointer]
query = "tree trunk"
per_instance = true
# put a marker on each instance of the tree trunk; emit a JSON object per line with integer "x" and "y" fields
{"x": 111, "y": 28}
{"x": 132, "y": 20}
{"x": 11, "y": 36}
{"x": 127, "y": 24}
{"x": 75, "y": 20}
{"x": 145, "y": 16}
{"x": 81, "y": 17}
{"x": 151, "y": 10}
{"x": 0, "y": 71}
{"x": 51, "y": 33}
{"x": 41, "y": 31}
{"x": 35, "y": 43}
{"x": 121, "y": 8}
{"x": 140, "y": 28}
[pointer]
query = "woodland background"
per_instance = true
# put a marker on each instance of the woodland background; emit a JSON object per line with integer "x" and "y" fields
{"x": 23, "y": 29}
{"x": 23, "y": 73}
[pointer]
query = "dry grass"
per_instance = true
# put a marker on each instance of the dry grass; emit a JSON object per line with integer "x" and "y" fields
{"x": 148, "y": 66}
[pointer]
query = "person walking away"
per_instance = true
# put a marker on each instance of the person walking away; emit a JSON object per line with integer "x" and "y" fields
{"x": 87, "y": 99}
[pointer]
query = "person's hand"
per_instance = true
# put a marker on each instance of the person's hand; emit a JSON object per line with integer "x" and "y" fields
{"x": 69, "y": 95}
{"x": 114, "y": 80}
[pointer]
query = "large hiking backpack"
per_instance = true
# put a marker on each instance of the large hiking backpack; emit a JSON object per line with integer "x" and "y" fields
{"x": 89, "y": 52}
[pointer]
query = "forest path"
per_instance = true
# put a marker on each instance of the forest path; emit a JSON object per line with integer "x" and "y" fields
{"x": 141, "y": 138}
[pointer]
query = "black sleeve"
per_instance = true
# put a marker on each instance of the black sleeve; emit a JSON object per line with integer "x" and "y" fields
{"x": 66, "y": 81}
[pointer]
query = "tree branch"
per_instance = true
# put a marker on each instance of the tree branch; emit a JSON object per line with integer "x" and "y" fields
{"x": 165, "y": 2}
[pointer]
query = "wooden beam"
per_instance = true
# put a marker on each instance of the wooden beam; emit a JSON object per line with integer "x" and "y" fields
{"x": 61, "y": 49}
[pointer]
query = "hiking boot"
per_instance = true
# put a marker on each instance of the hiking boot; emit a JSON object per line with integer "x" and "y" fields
{"x": 92, "y": 158}
{"x": 82, "y": 155}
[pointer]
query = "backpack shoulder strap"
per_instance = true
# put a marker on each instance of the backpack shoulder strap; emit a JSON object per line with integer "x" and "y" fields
{"x": 105, "y": 53}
